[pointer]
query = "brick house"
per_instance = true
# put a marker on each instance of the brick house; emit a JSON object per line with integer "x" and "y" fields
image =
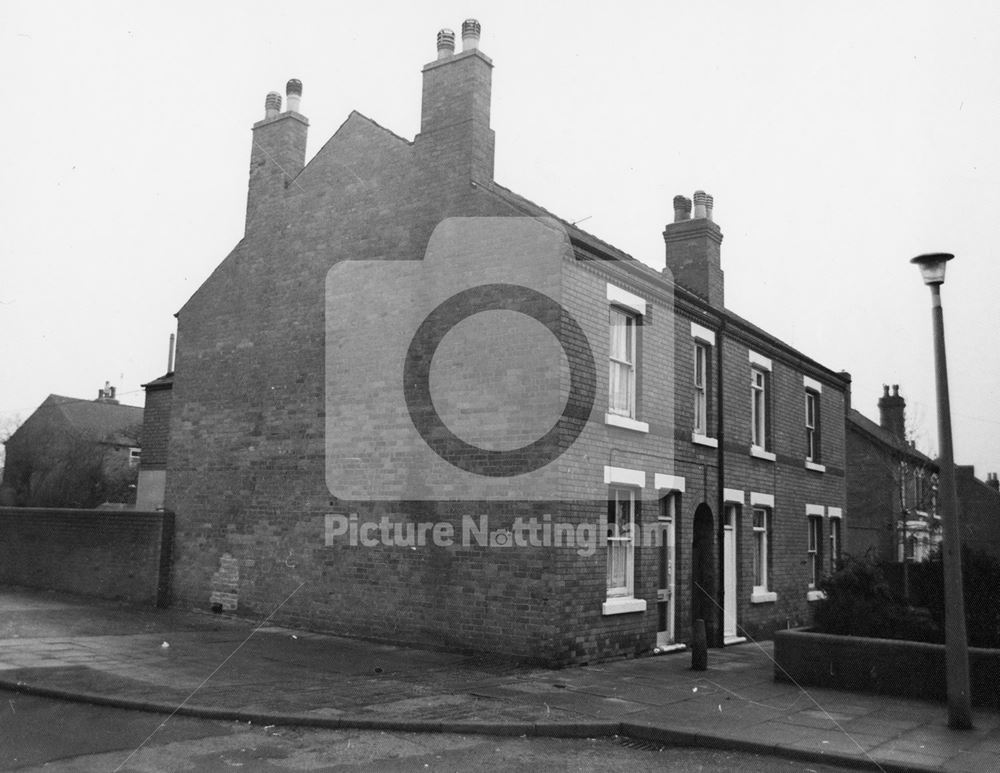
{"x": 979, "y": 509}
{"x": 892, "y": 491}
{"x": 891, "y": 487}
{"x": 694, "y": 467}
{"x": 72, "y": 452}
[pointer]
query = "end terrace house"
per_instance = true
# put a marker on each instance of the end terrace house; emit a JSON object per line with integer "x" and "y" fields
{"x": 412, "y": 405}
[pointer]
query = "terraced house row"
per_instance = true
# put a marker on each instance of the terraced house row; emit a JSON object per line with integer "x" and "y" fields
{"x": 413, "y": 405}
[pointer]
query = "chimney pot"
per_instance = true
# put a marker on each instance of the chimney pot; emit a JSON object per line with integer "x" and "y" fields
{"x": 709, "y": 203}
{"x": 293, "y": 89}
{"x": 446, "y": 43}
{"x": 682, "y": 208}
{"x": 272, "y": 104}
{"x": 700, "y": 202}
{"x": 992, "y": 481}
{"x": 470, "y": 34}
{"x": 892, "y": 412}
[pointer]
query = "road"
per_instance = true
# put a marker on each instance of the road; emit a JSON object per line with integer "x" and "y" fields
{"x": 64, "y": 736}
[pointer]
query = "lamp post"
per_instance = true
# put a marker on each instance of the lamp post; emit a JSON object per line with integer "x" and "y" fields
{"x": 956, "y": 646}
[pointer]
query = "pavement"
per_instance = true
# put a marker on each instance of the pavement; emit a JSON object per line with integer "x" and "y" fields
{"x": 212, "y": 666}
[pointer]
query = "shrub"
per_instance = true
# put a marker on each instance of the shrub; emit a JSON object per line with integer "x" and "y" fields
{"x": 859, "y": 602}
{"x": 980, "y": 580}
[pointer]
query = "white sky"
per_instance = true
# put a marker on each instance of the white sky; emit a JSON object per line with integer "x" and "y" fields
{"x": 839, "y": 140}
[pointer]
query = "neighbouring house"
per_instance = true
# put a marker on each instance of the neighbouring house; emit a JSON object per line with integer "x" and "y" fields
{"x": 609, "y": 453}
{"x": 979, "y": 509}
{"x": 73, "y": 452}
{"x": 892, "y": 492}
{"x": 891, "y": 487}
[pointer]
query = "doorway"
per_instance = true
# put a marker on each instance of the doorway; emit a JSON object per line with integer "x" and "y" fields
{"x": 730, "y": 528}
{"x": 666, "y": 596}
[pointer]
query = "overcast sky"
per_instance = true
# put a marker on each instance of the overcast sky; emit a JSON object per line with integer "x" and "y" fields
{"x": 838, "y": 139}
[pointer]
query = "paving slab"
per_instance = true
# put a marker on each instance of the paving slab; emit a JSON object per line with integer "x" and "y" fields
{"x": 217, "y": 666}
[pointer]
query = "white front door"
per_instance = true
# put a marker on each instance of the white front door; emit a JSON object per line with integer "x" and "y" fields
{"x": 665, "y": 597}
{"x": 730, "y": 634}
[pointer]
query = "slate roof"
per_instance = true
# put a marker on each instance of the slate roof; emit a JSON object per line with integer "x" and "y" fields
{"x": 886, "y": 438}
{"x": 593, "y": 242}
{"x": 99, "y": 420}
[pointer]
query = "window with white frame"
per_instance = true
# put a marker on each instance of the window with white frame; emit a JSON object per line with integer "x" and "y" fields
{"x": 758, "y": 407}
{"x": 815, "y": 549}
{"x": 812, "y": 426}
{"x": 834, "y": 543}
{"x": 761, "y": 538}
{"x": 622, "y": 363}
{"x": 701, "y": 387}
{"x": 621, "y": 546}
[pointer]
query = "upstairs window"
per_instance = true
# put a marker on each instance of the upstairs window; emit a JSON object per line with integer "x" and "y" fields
{"x": 812, "y": 426}
{"x": 701, "y": 388}
{"x": 622, "y": 363}
{"x": 758, "y": 407}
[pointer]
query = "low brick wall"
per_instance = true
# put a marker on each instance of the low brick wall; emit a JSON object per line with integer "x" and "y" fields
{"x": 111, "y": 554}
{"x": 887, "y": 666}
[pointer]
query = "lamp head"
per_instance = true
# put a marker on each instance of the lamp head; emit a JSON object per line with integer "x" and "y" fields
{"x": 932, "y": 266}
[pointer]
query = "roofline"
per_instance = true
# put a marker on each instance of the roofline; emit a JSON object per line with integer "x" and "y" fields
{"x": 903, "y": 449}
{"x": 582, "y": 239}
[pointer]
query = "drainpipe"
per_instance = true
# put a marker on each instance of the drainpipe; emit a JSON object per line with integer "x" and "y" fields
{"x": 720, "y": 434}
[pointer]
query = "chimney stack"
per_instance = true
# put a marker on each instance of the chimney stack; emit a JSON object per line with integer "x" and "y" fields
{"x": 992, "y": 481}
{"x": 107, "y": 394}
{"x": 455, "y": 140}
{"x": 693, "y": 249}
{"x": 892, "y": 412}
{"x": 277, "y": 154}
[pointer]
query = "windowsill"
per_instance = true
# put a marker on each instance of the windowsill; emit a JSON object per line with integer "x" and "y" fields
{"x": 815, "y": 467}
{"x": 621, "y": 605}
{"x": 759, "y": 453}
{"x": 815, "y": 595}
{"x": 763, "y": 597}
{"x": 704, "y": 440}
{"x": 614, "y": 420}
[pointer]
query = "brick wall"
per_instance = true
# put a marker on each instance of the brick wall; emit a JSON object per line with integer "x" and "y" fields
{"x": 155, "y": 428}
{"x": 109, "y": 554}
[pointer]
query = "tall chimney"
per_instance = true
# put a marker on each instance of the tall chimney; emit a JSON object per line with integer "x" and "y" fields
{"x": 693, "y": 247}
{"x": 455, "y": 139}
{"x": 892, "y": 412}
{"x": 170, "y": 355}
{"x": 277, "y": 154}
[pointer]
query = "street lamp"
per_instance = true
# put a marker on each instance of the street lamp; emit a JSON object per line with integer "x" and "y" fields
{"x": 956, "y": 646}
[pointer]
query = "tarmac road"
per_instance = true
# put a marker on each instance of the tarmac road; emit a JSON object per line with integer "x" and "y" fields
{"x": 51, "y": 735}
